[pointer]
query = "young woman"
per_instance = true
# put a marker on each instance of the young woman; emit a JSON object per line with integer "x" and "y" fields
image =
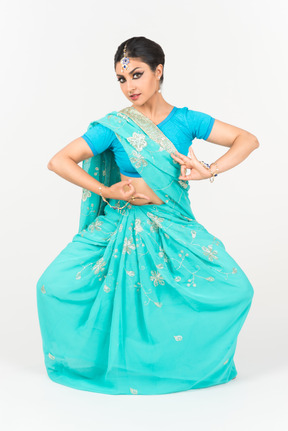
{"x": 143, "y": 300}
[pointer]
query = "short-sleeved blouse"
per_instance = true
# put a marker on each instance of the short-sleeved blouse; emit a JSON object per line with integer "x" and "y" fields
{"x": 181, "y": 126}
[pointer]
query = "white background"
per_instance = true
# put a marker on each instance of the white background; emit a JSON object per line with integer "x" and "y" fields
{"x": 224, "y": 58}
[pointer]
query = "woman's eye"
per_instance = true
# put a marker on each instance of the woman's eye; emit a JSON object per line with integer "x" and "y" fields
{"x": 136, "y": 73}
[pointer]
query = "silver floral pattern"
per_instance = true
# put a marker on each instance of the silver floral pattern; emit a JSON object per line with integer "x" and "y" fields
{"x": 126, "y": 269}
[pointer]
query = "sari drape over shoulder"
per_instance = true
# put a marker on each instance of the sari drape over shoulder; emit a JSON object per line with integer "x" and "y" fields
{"x": 143, "y": 300}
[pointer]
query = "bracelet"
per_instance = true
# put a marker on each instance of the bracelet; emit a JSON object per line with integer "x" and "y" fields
{"x": 118, "y": 208}
{"x": 207, "y": 166}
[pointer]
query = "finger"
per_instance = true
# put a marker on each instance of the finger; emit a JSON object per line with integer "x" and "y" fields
{"x": 183, "y": 158}
{"x": 183, "y": 169}
{"x": 141, "y": 196}
{"x": 192, "y": 154}
{"x": 178, "y": 159}
{"x": 130, "y": 192}
{"x": 176, "y": 154}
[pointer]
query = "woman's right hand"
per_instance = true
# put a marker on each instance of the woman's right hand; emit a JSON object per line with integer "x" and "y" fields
{"x": 116, "y": 191}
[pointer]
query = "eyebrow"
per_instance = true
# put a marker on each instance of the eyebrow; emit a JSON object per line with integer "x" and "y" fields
{"x": 130, "y": 73}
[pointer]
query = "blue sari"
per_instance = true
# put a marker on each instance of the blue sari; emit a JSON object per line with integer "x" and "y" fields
{"x": 143, "y": 300}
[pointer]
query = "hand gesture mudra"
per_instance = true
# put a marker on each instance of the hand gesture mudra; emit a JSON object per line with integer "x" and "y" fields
{"x": 197, "y": 170}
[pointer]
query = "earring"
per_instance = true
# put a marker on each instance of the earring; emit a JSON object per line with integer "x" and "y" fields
{"x": 159, "y": 91}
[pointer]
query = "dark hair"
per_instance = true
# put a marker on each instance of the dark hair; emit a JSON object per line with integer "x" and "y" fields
{"x": 148, "y": 51}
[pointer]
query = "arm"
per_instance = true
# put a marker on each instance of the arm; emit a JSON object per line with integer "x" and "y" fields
{"x": 240, "y": 142}
{"x": 65, "y": 164}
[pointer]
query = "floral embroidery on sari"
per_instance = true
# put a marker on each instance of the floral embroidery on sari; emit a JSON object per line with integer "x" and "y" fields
{"x": 130, "y": 288}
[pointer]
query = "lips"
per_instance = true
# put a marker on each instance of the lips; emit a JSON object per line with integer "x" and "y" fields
{"x": 134, "y": 95}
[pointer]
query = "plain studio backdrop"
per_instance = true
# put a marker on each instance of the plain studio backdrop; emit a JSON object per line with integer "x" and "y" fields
{"x": 225, "y": 58}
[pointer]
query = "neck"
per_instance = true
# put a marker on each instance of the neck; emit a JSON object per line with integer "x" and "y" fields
{"x": 154, "y": 107}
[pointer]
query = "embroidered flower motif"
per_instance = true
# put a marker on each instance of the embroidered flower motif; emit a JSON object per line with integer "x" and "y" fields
{"x": 85, "y": 194}
{"x": 99, "y": 265}
{"x": 106, "y": 288}
{"x": 43, "y": 289}
{"x": 51, "y": 356}
{"x": 138, "y": 159}
{"x": 156, "y": 222}
{"x": 208, "y": 252}
{"x": 133, "y": 391}
{"x": 178, "y": 337}
{"x": 95, "y": 225}
{"x": 138, "y": 228}
{"x": 178, "y": 278}
{"x": 128, "y": 245}
{"x": 152, "y": 130}
{"x": 157, "y": 278}
{"x": 137, "y": 140}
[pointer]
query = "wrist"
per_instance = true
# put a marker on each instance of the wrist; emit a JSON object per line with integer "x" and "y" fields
{"x": 206, "y": 170}
{"x": 214, "y": 168}
{"x": 104, "y": 191}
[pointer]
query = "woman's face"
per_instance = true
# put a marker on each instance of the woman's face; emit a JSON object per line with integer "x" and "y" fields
{"x": 138, "y": 79}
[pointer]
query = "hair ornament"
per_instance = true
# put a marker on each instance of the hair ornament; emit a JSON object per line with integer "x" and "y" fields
{"x": 124, "y": 60}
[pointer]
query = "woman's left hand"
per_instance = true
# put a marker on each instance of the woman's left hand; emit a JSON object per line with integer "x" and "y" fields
{"x": 197, "y": 170}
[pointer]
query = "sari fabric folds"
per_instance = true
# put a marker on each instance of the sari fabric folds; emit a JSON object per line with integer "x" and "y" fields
{"x": 143, "y": 300}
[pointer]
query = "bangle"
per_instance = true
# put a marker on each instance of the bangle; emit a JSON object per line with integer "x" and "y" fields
{"x": 118, "y": 208}
{"x": 207, "y": 166}
{"x": 213, "y": 173}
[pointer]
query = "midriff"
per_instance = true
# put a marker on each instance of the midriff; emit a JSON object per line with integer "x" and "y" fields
{"x": 141, "y": 186}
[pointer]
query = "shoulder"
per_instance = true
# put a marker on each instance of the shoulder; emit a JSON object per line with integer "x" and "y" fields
{"x": 99, "y": 129}
{"x": 199, "y": 123}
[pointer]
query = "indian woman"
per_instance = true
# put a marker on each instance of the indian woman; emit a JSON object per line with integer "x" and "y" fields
{"x": 143, "y": 299}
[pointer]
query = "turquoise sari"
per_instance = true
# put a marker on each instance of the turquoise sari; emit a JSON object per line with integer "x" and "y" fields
{"x": 143, "y": 300}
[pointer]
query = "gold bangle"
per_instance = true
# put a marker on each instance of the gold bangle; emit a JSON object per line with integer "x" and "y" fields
{"x": 207, "y": 166}
{"x": 118, "y": 208}
{"x": 213, "y": 174}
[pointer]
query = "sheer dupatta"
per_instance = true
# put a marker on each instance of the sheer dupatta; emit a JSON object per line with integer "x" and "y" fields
{"x": 149, "y": 152}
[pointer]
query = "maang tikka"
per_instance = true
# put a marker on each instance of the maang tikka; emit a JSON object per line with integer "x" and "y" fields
{"x": 124, "y": 60}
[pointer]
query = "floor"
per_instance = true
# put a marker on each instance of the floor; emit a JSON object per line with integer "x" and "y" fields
{"x": 255, "y": 400}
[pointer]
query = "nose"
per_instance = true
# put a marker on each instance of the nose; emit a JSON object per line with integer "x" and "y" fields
{"x": 130, "y": 86}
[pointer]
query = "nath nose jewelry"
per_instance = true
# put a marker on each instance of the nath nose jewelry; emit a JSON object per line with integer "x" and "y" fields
{"x": 124, "y": 60}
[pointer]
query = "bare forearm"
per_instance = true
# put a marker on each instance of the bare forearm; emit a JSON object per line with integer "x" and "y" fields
{"x": 239, "y": 151}
{"x": 66, "y": 168}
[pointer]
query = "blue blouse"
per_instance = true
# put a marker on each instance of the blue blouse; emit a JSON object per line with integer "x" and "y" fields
{"x": 181, "y": 126}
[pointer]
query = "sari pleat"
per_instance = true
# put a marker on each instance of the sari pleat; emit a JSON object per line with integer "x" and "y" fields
{"x": 143, "y": 300}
